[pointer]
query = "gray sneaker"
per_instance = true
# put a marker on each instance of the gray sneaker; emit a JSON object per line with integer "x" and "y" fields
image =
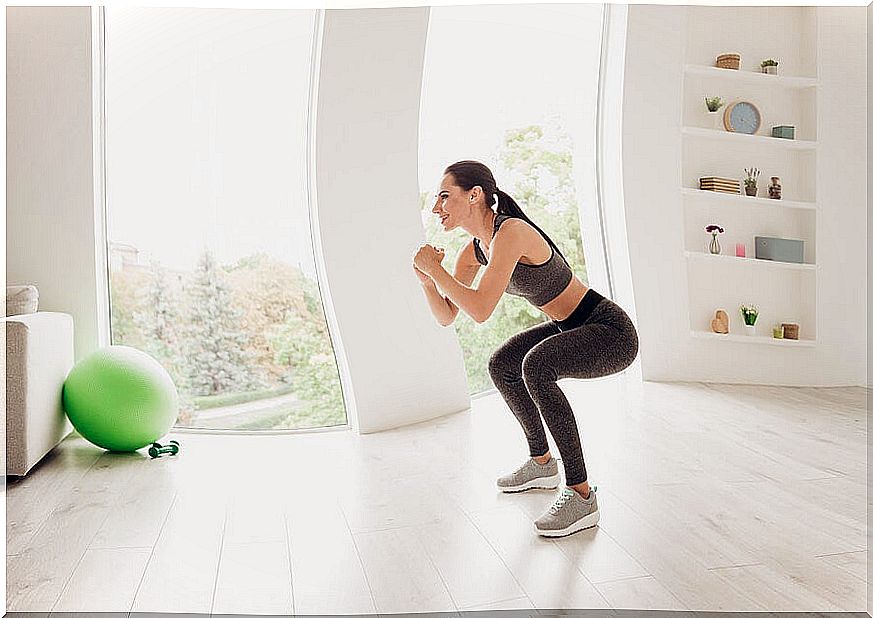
{"x": 569, "y": 513}
{"x": 531, "y": 475}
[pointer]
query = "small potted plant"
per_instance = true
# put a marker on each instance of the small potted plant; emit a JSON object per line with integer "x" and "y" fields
{"x": 750, "y": 316}
{"x": 715, "y": 230}
{"x": 713, "y": 104}
{"x": 769, "y": 66}
{"x": 751, "y": 181}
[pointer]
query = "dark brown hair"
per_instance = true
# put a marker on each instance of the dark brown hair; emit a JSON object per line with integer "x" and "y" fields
{"x": 468, "y": 174}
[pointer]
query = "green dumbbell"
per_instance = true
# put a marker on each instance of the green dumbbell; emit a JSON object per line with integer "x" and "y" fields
{"x": 156, "y": 450}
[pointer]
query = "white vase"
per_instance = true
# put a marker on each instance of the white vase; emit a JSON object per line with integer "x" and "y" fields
{"x": 749, "y": 329}
{"x": 715, "y": 119}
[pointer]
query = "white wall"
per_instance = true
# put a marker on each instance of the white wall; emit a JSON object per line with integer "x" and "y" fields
{"x": 610, "y": 152}
{"x": 869, "y": 297}
{"x": 653, "y": 206}
{"x": 402, "y": 365}
{"x": 49, "y": 187}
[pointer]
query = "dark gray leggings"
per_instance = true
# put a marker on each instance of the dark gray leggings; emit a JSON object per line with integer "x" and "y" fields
{"x": 526, "y": 368}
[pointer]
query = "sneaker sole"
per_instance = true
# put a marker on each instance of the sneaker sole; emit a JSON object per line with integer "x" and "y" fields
{"x": 589, "y": 521}
{"x": 541, "y": 482}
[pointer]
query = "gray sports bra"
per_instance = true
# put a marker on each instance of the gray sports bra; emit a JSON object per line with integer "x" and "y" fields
{"x": 538, "y": 283}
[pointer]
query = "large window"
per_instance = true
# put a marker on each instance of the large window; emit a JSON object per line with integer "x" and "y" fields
{"x": 211, "y": 264}
{"x": 515, "y": 87}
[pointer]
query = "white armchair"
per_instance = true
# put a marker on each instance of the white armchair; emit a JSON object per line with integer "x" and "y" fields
{"x": 39, "y": 355}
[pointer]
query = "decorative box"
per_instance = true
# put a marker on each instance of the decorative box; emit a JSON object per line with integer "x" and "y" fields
{"x": 779, "y": 249}
{"x": 783, "y": 130}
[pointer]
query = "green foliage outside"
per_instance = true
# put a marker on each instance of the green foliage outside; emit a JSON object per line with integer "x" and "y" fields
{"x": 232, "y": 335}
{"x": 232, "y": 399}
{"x": 304, "y": 344}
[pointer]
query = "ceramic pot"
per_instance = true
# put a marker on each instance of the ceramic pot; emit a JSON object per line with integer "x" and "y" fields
{"x": 749, "y": 329}
{"x": 752, "y": 190}
{"x": 716, "y": 120}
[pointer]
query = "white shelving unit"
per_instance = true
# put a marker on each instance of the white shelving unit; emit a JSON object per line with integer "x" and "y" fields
{"x": 751, "y": 77}
{"x": 758, "y": 140}
{"x": 729, "y": 199}
{"x": 783, "y": 292}
{"x": 747, "y": 261}
{"x": 759, "y": 339}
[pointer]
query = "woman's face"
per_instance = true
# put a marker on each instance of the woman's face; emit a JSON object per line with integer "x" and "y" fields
{"x": 452, "y": 203}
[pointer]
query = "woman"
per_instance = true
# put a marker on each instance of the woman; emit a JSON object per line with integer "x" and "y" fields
{"x": 587, "y": 335}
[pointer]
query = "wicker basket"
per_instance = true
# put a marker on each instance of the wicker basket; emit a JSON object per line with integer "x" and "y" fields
{"x": 728, "y": 61}
{"x": 790, "y": 331}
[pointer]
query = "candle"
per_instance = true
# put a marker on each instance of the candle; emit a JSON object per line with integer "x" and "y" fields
{"x": 741, "y": 250}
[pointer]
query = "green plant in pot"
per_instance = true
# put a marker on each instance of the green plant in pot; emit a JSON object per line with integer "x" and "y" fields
{"x": 713, "y": 104}
{"x": 769, "y": 66}
{"x": 750, "y": 316}
{"x": 751, "y": 181}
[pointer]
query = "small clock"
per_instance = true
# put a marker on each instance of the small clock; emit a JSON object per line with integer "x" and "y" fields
{"x": 742, "y": 117}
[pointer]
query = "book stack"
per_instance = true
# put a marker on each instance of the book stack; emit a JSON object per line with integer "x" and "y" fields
{"x": 717, "y": 183}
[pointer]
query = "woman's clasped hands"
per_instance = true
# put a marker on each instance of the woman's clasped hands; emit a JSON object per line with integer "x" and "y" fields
{"x": 426, "y": 259}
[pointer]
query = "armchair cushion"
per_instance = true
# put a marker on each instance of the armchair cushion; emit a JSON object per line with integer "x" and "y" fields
{"x": 39, "y": 355}
{"x": 21, "y": 299}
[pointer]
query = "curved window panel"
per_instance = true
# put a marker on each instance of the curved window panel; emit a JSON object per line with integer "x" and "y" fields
{"x": 211, "y": 263}
{"x": 520, "y": 95}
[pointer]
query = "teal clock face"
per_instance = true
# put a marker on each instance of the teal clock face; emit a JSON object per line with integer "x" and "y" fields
{"x": 745, "y": 118}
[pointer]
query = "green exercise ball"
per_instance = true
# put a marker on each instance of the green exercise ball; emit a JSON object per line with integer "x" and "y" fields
{"x": 120, "y": 398}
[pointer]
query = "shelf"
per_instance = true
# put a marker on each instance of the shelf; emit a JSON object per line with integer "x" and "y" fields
{"x": 699, "y": 255}
{"x": 752, "y": 77}
{"x": 791, "y": 144}
{"x": 739, "y": 198}
{"x": 754, "y": 339}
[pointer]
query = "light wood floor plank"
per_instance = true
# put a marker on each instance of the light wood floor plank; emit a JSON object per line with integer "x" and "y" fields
{"x": 183, "y": 568}
{"x": 104, "y": 581}
{"x": 31, "y": 499}
{"x": 520, "y": 603}
{"x": 677, "y": 569}
{"x": 137, "y": 519}
{"x": 36, "y": 579}
{"x": 854, "y": 562}
{"x": 644, "y": 593}
{"x": 473, "y": 572}
{"x": 254, "y": 578}
{"x": 401, "y": 575}
{"x": 599, "y": 557}
{"x": 327, "y": 574}
{"x": 547, "y": 577}
{"x": 775, "y": 590}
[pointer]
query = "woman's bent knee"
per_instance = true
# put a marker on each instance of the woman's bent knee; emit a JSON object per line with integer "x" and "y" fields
{"x": 536, "y": 368}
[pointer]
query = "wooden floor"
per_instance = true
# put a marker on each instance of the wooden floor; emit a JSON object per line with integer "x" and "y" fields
{"x": 713, "y": 497}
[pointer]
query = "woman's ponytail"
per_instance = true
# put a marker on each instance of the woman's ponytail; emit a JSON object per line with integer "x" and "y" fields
{"x": 507, "y": 206}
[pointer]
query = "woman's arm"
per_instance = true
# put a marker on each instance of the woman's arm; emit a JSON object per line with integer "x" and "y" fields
{"x": 442, "y": 307}
{"x": 439, "y": 305}
{"x": 480, "y": 303}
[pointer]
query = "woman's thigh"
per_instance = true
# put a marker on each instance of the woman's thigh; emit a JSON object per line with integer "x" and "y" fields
{"x": 511, "y": 353}
{"x": 592, "y": 350}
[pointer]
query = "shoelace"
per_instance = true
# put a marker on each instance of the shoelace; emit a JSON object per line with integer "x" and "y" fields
{"x": 561, "y": 500}
{"x": 523, "y": 467}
